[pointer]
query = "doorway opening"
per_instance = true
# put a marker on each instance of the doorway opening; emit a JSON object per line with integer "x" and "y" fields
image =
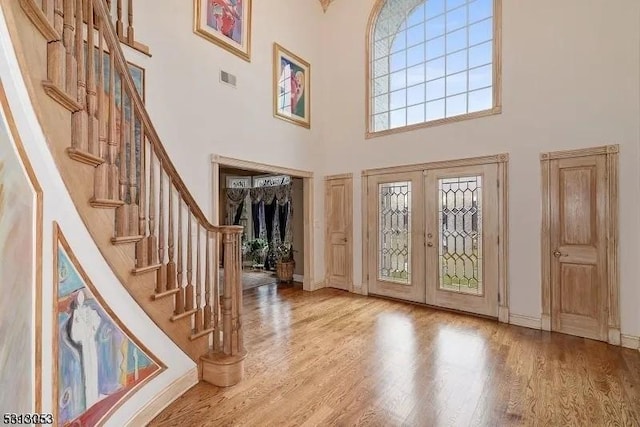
{"x": 273, "y": 205}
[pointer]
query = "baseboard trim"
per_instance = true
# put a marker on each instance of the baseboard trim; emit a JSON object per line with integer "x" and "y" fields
{"x": 525, "y": 321}
{"x": 166, "y": 397}
{"x": 630, "y": 341}
{"x": 318, "y": 285}
{"x": 298, "y": 278}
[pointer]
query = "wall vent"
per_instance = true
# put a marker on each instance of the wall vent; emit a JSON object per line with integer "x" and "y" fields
{"x": 227, "y": 78}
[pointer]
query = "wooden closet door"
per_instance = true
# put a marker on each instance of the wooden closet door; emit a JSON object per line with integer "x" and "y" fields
{"x": 577, "y": 194}
{"x": 338, "y": 236}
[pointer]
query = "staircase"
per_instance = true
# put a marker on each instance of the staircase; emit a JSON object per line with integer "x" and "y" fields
{"x": 138, "y": 210}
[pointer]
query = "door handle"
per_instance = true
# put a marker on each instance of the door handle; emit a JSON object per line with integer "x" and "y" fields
{"x": 557, "y": 253}
{"x": 430, "y": 244}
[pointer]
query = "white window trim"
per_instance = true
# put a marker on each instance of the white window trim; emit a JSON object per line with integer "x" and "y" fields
{"x": 496, "y": 84}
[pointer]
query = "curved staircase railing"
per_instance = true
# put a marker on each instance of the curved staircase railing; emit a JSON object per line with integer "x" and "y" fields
{"x": 112, "y": 131}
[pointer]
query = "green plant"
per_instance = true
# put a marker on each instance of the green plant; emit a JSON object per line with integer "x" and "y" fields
{"x": 284, "y": 252}
{"x": 255, "y": 249}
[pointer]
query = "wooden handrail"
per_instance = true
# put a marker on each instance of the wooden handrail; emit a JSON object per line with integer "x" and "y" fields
{"x": 113, "y": 44}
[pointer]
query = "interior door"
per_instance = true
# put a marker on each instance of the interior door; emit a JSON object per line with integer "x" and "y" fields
{"x": 577, "y": 195}
{"x": 395, "y": 223}
{"x": 338, "y": 241}
{"x": 461, "y": 238}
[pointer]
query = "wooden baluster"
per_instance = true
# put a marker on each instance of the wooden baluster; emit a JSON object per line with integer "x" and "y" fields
{"x": 48, "y": 9}
{"x": 234, "y": 306}
{"x": 130, "y": 33}
{"x": 103, "y": 110}
{"x": 161, "y": 275}
{"x": 134, "y": 214}
{"x": 199, "y": 320}
{"x": 93, "y": 127}
{"x": 189, "y": 289}
{"x": 179, "y": 306}
{"x": 216, "y": 294}
{"x": 119, "y": 24}
{"x": 171, "y": 266}
{"x": 68, "y": 36}
{"x": 106, "y": 182}
{"x": 56, "y": 53}
{"x": 208, "y": 311}
{"x": 238, "y": 282}
{"x": 142, "y": 246}
{"x": 227, "y": 298}
{"x": 79, "y": 128}
{"x": 152, "y": 249}
{"x": 122, "y": 212}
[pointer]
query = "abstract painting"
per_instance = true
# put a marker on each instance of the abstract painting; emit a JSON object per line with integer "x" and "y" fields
{"x": 226, "y": 23}
{"x": 292, "y": 87}
{"x": 20, "y": 252}
{"x": 99, "y": 363}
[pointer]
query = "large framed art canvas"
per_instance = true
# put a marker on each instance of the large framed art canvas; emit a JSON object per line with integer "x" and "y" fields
{"x": 226, "y": 23}
{"x": 291, "y": 87}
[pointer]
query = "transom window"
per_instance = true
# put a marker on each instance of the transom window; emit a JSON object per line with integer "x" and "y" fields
{"x": 431, "y": 60}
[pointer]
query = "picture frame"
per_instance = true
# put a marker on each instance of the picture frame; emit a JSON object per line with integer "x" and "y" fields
{"x": 226, "y": 23}
{"x": 291, "y": 87}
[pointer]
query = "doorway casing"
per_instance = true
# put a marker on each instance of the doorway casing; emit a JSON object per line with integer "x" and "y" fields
{"x": 502, "y": 160}
{"x": 218, "y": 161}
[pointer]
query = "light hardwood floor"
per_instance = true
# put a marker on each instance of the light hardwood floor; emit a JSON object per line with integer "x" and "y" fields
{"x": 333, "y": 358}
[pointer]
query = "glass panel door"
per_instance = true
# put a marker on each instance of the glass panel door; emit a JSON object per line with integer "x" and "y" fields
{"x": 462, "y": 231}
{"x": 396, "y": 221}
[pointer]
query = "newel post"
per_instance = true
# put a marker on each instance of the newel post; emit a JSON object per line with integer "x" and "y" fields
{"x": 225, "y": 366}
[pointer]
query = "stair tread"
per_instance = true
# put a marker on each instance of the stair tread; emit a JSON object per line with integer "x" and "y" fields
{"x": 84, "y": 157}
{"x": 184, "y": 315}
{"x": 147, "y": 269}
{"x": 159, "y": 295}
{"x": 126, "y": 239}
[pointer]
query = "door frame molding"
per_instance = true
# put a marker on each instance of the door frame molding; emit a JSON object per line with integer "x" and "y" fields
{"x": 348, "y": 176}
{"x": 307, "y": 204}
{"x": 502, "y": 161}
{"x": 613, "y": 283}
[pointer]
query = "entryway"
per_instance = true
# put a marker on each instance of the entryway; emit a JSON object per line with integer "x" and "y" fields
{"x": 272, "y": 204}
{"x": 436, "y": 234}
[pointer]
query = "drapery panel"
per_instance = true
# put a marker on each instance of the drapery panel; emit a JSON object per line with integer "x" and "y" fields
{"x": 271, "y": 212}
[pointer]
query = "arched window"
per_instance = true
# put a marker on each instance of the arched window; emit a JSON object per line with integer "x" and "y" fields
{"x": 432, "y": 61}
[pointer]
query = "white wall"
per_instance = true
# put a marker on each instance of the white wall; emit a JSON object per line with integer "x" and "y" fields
{"x": 570, "y": 80}
{"x": 58, "y": 206}
{"x": 196, "y": 115}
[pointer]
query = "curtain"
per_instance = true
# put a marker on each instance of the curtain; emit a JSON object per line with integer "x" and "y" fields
{"x": 271, "y": 210}
{"x": 235, "y": 204}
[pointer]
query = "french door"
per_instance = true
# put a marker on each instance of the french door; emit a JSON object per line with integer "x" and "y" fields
{"x": 433, "y": 237}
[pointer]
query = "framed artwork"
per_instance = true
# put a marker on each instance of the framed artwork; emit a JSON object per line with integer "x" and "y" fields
{"x": 99, "y": 363}
{"x": 291, "y": 87}
{"x": 226, "y": 23}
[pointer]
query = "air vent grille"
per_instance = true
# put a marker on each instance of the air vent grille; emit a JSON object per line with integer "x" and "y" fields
{"x": 227, "y": 78}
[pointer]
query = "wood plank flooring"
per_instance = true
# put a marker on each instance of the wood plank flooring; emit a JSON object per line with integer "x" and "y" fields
{"x": 336, "y": 359}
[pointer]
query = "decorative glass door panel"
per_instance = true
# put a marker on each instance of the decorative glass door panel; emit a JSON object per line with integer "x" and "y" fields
{"x": 461, "y": 257}
{"x": 394, "y": 225}
{"x": 396, "y": 248}
{"x": 460, "y": 248}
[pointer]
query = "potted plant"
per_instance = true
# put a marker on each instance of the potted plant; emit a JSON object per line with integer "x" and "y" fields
{"x": 256, "y": 250}
{"x": 284, "y": 262}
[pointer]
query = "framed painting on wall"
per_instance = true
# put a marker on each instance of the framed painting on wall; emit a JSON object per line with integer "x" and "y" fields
{"x": 291, "y": 87}
{"x": 226, "y": 23}
{"x": 98, "y": 362}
